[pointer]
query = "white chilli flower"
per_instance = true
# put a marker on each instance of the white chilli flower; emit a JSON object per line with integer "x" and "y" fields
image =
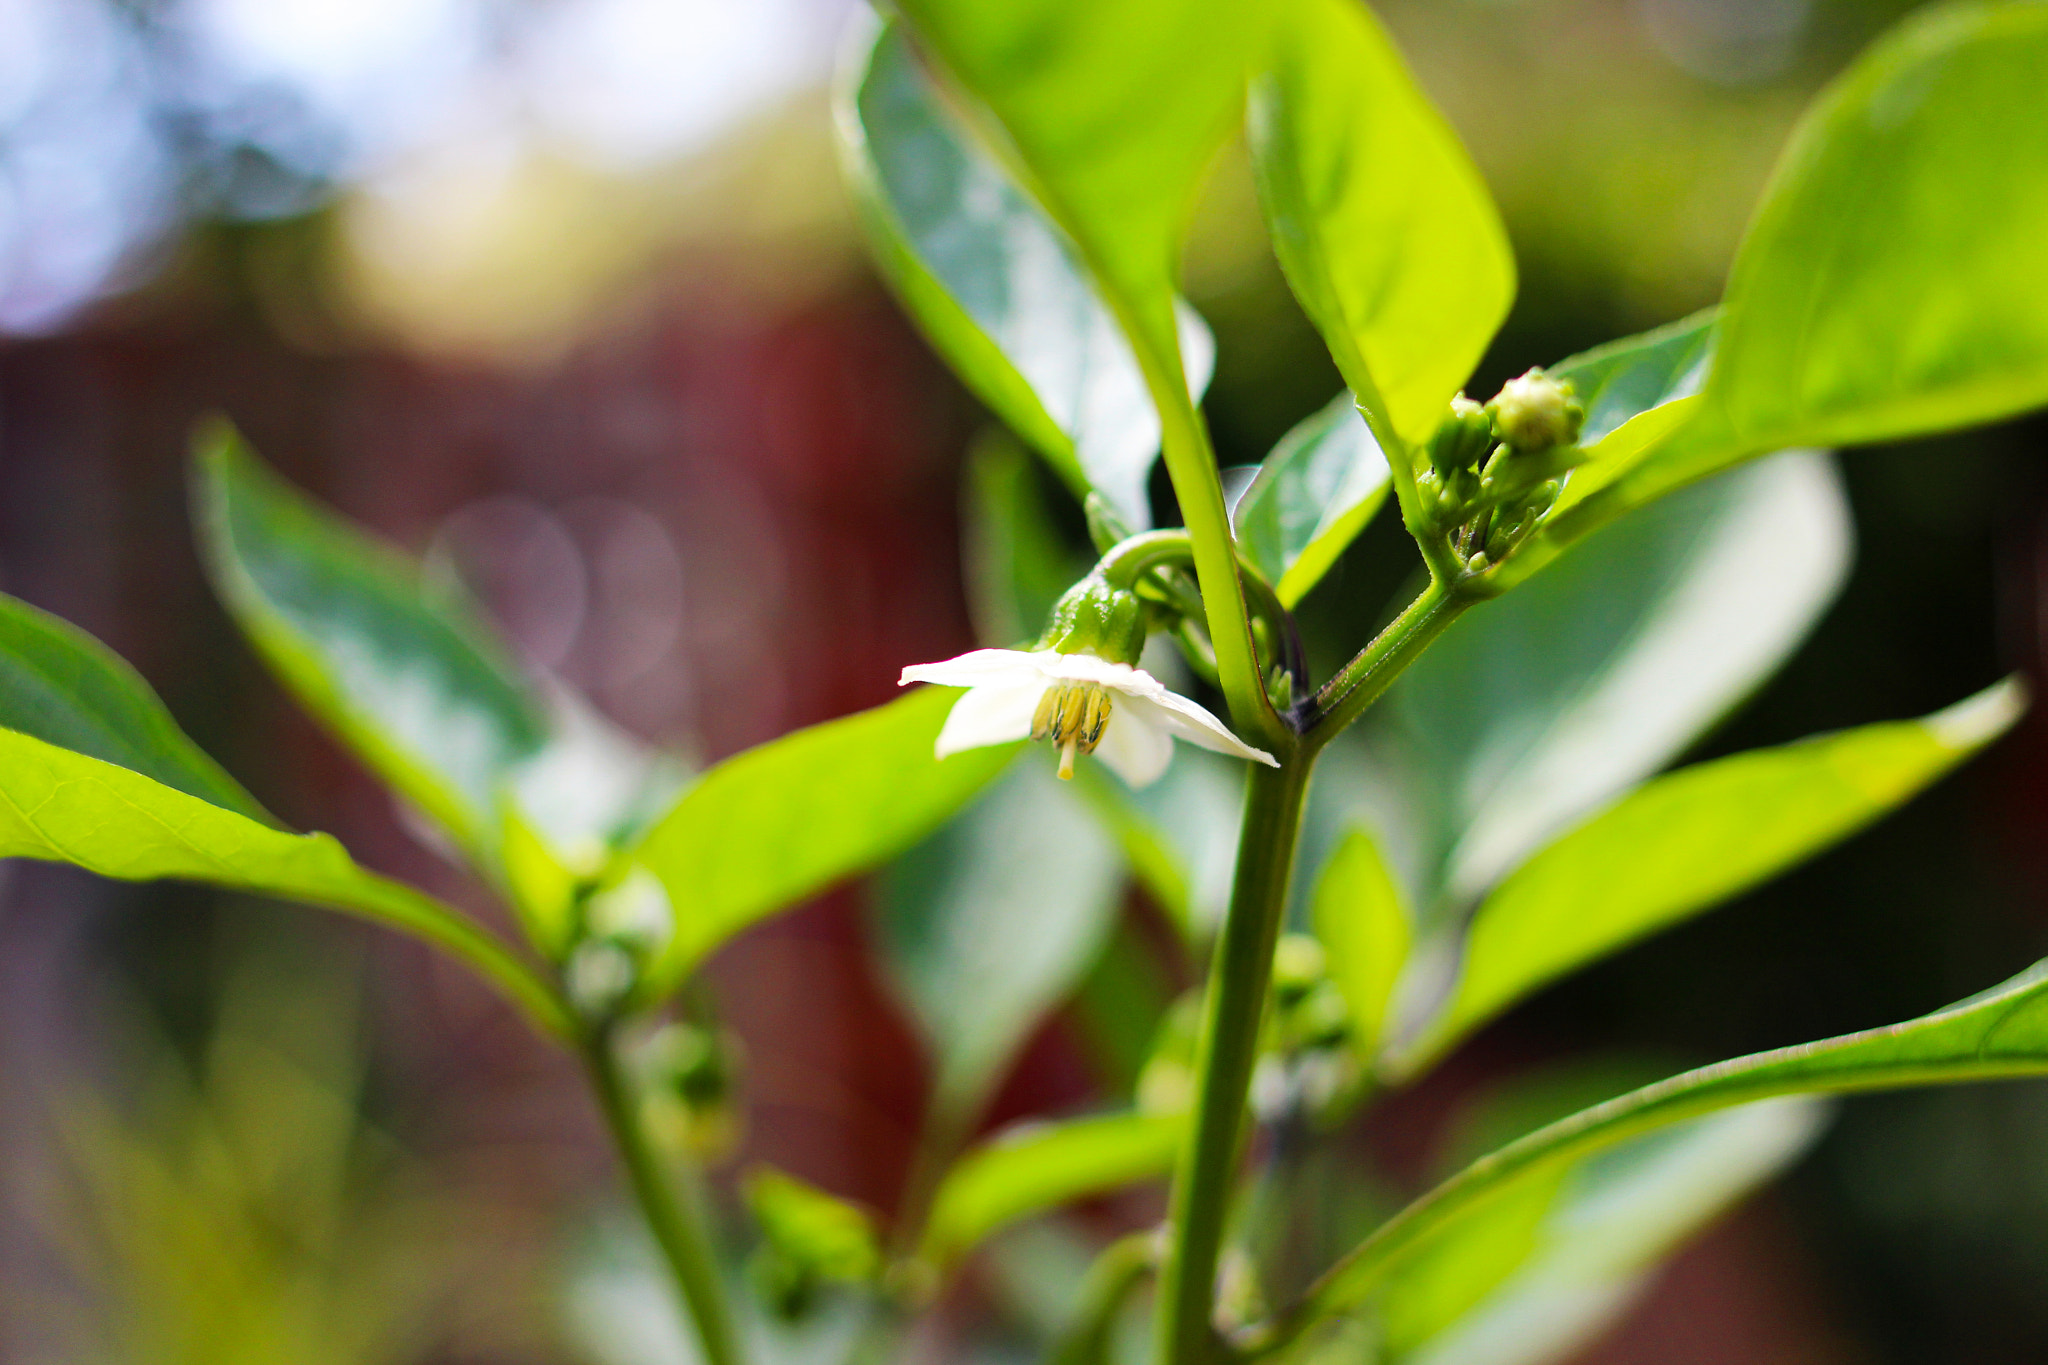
{"x": 1122, "y": 715}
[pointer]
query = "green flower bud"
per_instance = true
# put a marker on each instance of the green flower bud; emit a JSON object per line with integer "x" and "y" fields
{"x": 690, "y": 1075}
{"x": 1536, "y": 412}
{"x": 1462, "y": 439}
{"x": 1096, "y": 618}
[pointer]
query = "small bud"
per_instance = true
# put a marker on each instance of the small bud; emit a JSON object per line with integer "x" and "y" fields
{"x": 1096, "y": 618}
{"x": 690, "y": 1075}
{"x": 1462, "y": 438}
{"x": 1298, "y": 966}
{"x": 1536, "y": 412}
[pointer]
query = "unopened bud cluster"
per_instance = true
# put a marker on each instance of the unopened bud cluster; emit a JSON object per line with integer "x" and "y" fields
{"x": 1494, "y": 468}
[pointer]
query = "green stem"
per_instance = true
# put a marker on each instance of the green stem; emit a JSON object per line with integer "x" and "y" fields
{"x": 1239, "y": 975}
{"x": 671, "y": 1211}
{"x": 1366, "y": 678}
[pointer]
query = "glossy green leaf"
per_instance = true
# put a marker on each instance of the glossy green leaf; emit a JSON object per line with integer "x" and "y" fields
{"x": 65, "y": 688}
{"x": 1311, "y": 498}
{"x": 412, "y": 681}
{"x": 1382, "y": 224}
{"x": 1598, "y": 1231}
{"x": 1624, "y": 379}
{"x": 1895, "y": 280}
{"x": 1039, "y": 1167}
{"x": 783, "y": 821}
{"x": 1112, "y": 110}
{"x": 1536, "y": 708}
{"x": 1364, "y": 926}
{"x": 66, "y": 807}
{"x": 1692, "y": 839}
{"x": 988, "y": 925}
{"x": 997, "y": 286}
{"x": 1999, "y": 1034}
{"x": 1016, "y": 564}
{"x": 818, "y": 1232}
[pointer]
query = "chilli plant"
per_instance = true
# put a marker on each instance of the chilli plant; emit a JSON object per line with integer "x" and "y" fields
{"x": 1491, "y": 811}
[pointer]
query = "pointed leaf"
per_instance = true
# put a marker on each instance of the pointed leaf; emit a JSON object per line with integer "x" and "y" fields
{"x": 415, "y": 684}
{"x": 1311, "y": 498}
{"x": 65, "y": 688}
{"x": 61, "y": 806}
{"x": 785, "y": 820}
{"x": 1039, "y": 1167}
{"x": 1999, "y": 1034}
{"x": 1382, "y": 224}
{"x": 997, "y": 287}
{"x": 1538, "y": 707}
{"x": 1112, "y": 109}
{"x": 1895, "y": 280}
{"x": 990, "y": 923}
{"x": 1364, "y": 926}
{"x": 1690, "y": 840}
{"x": 1624, "y": 379}
{"x": 1600, "y": 1229}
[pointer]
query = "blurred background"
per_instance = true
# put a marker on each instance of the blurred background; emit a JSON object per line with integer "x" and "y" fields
{"x": 567, "y": 292}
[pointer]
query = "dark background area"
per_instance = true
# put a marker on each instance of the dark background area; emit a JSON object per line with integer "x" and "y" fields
{"x": 745, "y": 462}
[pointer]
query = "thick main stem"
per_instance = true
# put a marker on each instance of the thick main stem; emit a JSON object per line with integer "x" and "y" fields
{"x": 670, "y": 1212}
{"x": 1239, "y": 975}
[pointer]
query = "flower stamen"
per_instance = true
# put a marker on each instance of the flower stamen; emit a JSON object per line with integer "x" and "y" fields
{"x": 1073, "y": 716}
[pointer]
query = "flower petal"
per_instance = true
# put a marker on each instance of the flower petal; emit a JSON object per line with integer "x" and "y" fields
{"x": 989, "y": 715}
{"x": 1190, "y": 722}
{"x": 1135, "y": 749}
{"x": 977, "y": 668}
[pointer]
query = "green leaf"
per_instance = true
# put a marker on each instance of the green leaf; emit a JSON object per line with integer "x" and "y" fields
{"x": 996, "y": 285}
{"x": 1692, "y": 839}
{"x": 1538, "y": 707}
{"x": 1016, "y": 564}
{"x": 1895, "y": 280}
{"x": 1112, "y": 110}
{"x": 1039, "y": 1167}
{"x": 1364, "y": 926}
{"x": 990, "y": 923}
{"x": 1382, "y": 224}
{"x": 819, "y": 1232}
{"x": 1311, "y": 498}
{"x": 1179, "y": 834}
{"x": 1597, "y": 1231}
{"x": 414, "y": 683}
{"x": 783, "y": 821}
{"x": 66, "y": 807}
{"x": 65, "y": 688}
{"x": 1999, "y": 1034}
{"x": 1624, "y": 379}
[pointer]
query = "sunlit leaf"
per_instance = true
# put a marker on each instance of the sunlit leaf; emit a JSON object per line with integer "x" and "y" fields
{"x": 1999, "y": 1034}
{"x": 1382, "y": 224}
{"x": 1112, "y": 109}
{"x": 65, "y": 688}
{"x": 66, "y": 807}
{"x": 412, "y": 681}
{"x": 1691, "y": 839}
{"x": 770, "y": 826}
{"x": 1597, "y": 1231}
{"x": 1039, "y": 1167}
{"x": 1536, "y": 708}
{"x": 1311, "y": 498}
{"x": 997, "y": 286}
{"x": 1359, "y": 916}
{"x": 1895, "y": 280}
{"x": 989, "y": 924}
